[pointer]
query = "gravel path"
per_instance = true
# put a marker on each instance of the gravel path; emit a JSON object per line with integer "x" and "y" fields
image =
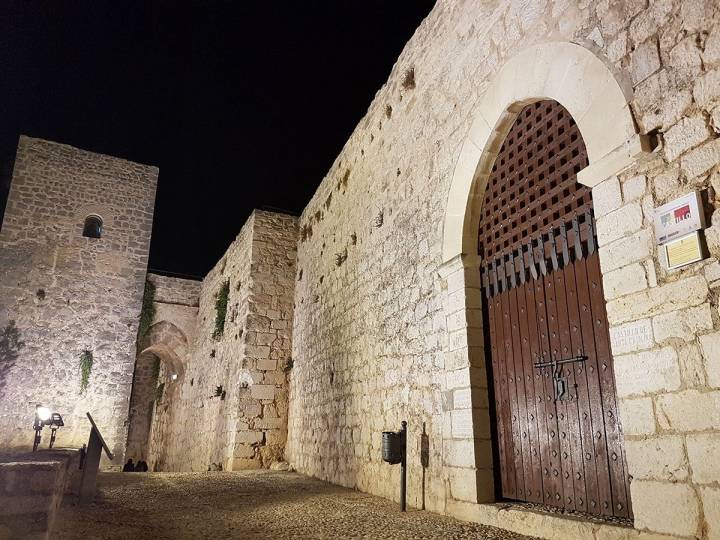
{"x": 245, "y": 505}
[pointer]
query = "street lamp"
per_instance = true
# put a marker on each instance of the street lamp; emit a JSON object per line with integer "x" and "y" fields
{"x": 45, "y": 417}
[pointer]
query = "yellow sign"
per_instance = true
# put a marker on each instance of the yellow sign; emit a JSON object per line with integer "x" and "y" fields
{"x": 684, "y": 250}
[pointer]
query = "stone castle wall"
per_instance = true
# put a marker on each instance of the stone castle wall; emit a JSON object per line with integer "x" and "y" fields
{"x": 62, "y": 293}
{"x": 373, "y": 343}
{"x": 229, "y": 408}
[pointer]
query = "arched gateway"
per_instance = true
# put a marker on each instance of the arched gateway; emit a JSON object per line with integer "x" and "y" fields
{"x": 519, "y": 244}
{"x": 546, "y": 333}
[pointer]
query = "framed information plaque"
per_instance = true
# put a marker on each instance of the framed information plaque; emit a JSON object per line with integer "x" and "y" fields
{"x": 679, "y": 217}
{"x": 684, "y": 250}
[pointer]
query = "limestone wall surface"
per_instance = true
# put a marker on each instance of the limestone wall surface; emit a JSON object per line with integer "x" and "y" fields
{"x": 229, "y": 409}
{"x": 372, "y": 344}
{"x": 62, "y": 293}
{"x": 175, "y": 290}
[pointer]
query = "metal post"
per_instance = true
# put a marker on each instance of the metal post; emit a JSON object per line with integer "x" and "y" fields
{"x": 403, "y": 466}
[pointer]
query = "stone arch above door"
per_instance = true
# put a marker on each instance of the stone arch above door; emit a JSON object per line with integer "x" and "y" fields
{"x": 161, "y": 351}
{"x": 572, "y": 75}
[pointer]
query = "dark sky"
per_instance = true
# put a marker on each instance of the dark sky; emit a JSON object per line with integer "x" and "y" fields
{"x": 242, "y": 104}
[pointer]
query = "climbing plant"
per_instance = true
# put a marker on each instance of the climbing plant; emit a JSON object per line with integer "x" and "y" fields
{"x": 147, "y": 312}
{"x": 86, "y": 363}
{"x": 221, "y": 303}
{"x": 10, "y": 345}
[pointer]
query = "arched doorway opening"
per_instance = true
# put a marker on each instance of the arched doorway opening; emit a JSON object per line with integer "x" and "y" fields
{"x": 158, "y": 376}
{"x": 597, "y": 98}
{"x": 553, "y": 409}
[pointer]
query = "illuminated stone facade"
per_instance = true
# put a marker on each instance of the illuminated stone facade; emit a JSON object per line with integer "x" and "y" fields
{"x": 388, "y": 325}
{"x": 379, "y": 320}
{"x": 219, "y": 400}
{"x": 62, "y": 293}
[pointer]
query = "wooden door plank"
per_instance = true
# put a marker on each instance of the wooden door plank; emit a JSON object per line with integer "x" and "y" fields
{"x": 599, "y": 456}
{"x": 522, "y": 443}
{"x": 535, "y": 408}
{"x": 585, "y": 468}
{"x": 567, "y": 409}
{"x": 553, "y": 470}
{"x": 499, "y": 402}
{"x": 514, "y": 447}
{"x": 613, "y": 436}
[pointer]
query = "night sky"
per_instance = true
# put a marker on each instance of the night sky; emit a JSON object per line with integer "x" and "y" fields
{"x": 242, "y": 104}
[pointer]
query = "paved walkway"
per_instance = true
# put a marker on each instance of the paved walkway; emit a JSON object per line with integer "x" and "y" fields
{"x": 246, "y": 505}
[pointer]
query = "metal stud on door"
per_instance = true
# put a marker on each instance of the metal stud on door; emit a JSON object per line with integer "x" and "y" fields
{"x": 557, "y": 436}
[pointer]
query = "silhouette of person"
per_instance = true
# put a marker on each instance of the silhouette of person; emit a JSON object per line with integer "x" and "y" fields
{"x": 129, "y": 466}
{"x": 141, "y": 466}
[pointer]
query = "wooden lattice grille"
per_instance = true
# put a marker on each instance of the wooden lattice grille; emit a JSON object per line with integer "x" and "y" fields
{"x": 529, "y": 191}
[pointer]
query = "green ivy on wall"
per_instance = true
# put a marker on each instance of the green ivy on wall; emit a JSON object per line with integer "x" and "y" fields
{"x": 221, "y": 303}
{"x": 86, "y": 363}
{"x": 147, "y": 313}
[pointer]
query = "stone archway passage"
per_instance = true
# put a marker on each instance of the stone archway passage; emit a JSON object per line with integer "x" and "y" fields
{"x": 558, "y": 439}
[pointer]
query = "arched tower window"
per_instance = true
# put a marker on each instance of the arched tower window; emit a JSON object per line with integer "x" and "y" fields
{"x": 92, "y": 227}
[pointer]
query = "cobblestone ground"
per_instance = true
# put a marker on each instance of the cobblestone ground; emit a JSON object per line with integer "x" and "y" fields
{"x": 244, "y": 505}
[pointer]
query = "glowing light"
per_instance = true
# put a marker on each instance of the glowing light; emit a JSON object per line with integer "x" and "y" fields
{"x": 173, "y": 376}
{"x": 43, "y": 413}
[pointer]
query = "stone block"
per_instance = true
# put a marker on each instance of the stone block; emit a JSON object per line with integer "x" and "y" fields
{"x": 683, "y": 324}
{"x": 607, "y": 196}
{"x": 470, "y": 423}
{"x": 255, "y": 351}
{"x": 625, "y": 220}
{"x": 634, "y": 188}
{"x": 267, "y": 365}
{"x": 459, "y": 453}
{"x": 710, "y": 345}
{"x": 637, "y": 416}
{"x": 704, "y": 455}
{"x": 665, "y": 507}
{"x": 647, "y": 372}
{"x": 685, "y": 58}
{"x": 458, "y": 378}
{"x": 248, "y": 437}
{"x": 631, "y": 337}
{"x": 706, "y": 89}
{"x": 626, "y": 280}
{"x": 689, "y": 410}
{"x": 627, "y": 250}
{"x": 658, "y": 458}
{"x": 701, "y": 159}
{"x": 688, "y": 133}
{"x": 262, "y": 391}
{"x": 710, "y": 497}
{"x": 667, "y": 183}
{"x": 244, "y": 464}
{"x": 680, "y": 294}
{"x": 470, "y": 486}
{"x": 270, "y": 423}
{"x": 647, "y": 22}
{"x": 244, "y": 451}
{"x": 644, "y": 61}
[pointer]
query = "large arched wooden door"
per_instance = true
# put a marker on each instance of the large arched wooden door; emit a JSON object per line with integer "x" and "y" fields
{"x": 558, "y": 438}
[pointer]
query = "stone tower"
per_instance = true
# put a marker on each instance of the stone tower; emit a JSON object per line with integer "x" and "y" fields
{"x": 74, "y": 250}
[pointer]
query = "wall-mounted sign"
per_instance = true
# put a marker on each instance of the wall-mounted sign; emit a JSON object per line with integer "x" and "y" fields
{"x": 683, "y": 250}
{"x": 679, "y": 217}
